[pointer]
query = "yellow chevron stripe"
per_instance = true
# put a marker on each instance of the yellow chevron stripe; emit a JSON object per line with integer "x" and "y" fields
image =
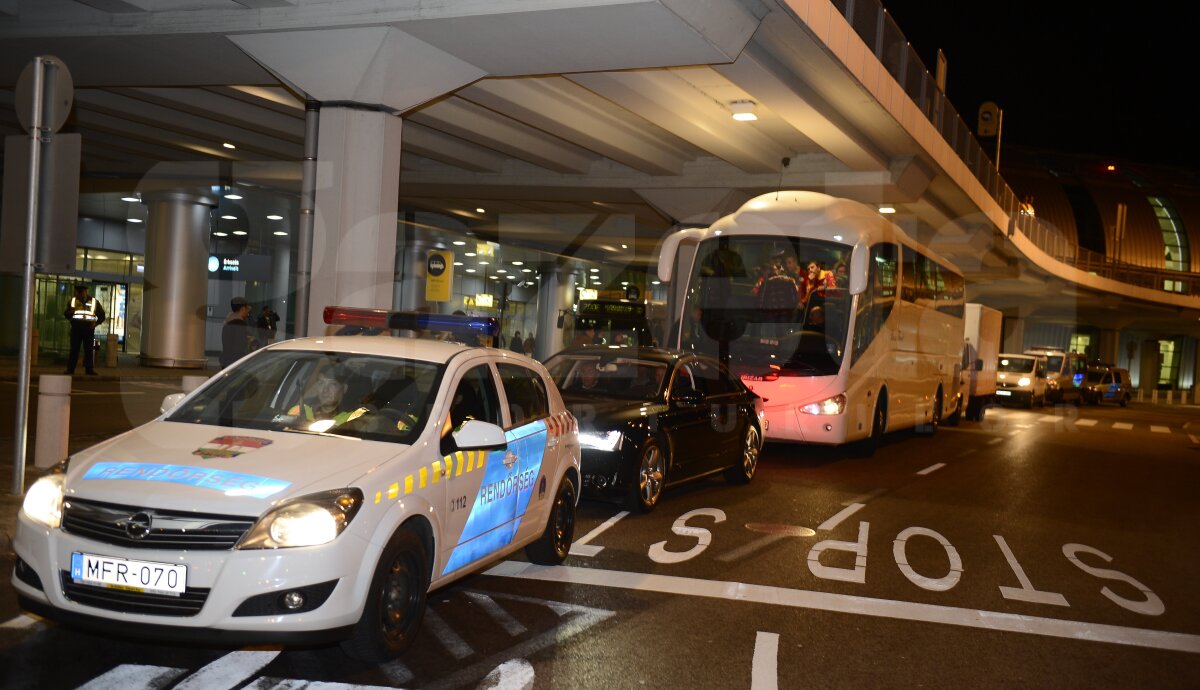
{"x": 393, "y": 491}
{"x": 461, "y": 462}
{"x": 437, "y": 471}
{"x": 378, "y": 496}
{"x": 408, "y": 485}
{"x": 470, "y": 460}
{"x": 482, "y": 456}
{"x": 424, "y": 476}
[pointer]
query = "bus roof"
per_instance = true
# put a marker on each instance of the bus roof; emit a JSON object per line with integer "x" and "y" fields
{"x": 801, "y": 214}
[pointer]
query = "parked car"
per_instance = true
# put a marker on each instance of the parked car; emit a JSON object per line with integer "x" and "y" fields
{"x": 1021, "y": 379}
{"x": 1064, "y": 373}
{"x": 1108, "y": 384}
{"x": 314, "y": 491}
{"x": 649, "y": 418}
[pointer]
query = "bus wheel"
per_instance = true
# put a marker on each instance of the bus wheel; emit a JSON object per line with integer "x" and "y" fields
{"x": 935, "y": 417}
{"x": 867, "y": 447}
{"x": 957, "y": 414}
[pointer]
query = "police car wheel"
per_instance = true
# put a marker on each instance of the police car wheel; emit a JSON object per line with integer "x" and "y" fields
{"x": 555, "y": 543}
{"x": 395, "y": 602}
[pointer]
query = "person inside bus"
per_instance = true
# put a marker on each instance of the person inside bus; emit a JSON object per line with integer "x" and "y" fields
{"x": 815, "y": 279}
{"x": 841, "y": 276}
{"x": 780, "y": 295}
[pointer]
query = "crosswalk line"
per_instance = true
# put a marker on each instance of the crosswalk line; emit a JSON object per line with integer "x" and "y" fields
{"x": 1123, "y": 426}
{"x": 1085, "y": 422}
{"x": 1160, "y": 429}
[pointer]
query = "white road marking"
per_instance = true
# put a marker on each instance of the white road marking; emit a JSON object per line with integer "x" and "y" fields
{"x": 997, "y": 440}
{"x": 842, "y": 515}
{"x": 1051, "y": 419}
{"x": 516, "y": 674}
{"x": 850, "y": 604}
{"x": 581, "y": 548}
{"x": 21, "y": 621}
{"x": 134, "y": 677}
{"x": 1026, "y": 591}
{"x": 865, "y": 497}
{"x": 449, "y": 639}
{"x": 1160, "y": 429}
{"x": 299, "y": 684}
{"x": 1123, "y": 426}
{"x": 397, "y": 672}
{"x": 511, "y": 625}
{"x": 932, "y": 468}
{"x": 229, "y": 671}
{"x": 764, "y": 675}
{"x": 1085, "y": 422}
{"x": 965, "y": 453}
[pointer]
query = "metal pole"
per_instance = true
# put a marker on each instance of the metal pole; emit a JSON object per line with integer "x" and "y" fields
{"x": 999, "y": 133}
{"x": 308, "y": 203}
{"x": 23, "y": 375}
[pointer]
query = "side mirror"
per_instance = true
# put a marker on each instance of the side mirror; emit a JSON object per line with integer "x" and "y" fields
{"x": 477, "y": 435}
{"x": 689, "y": 399}
{"x": 170, "y": 402}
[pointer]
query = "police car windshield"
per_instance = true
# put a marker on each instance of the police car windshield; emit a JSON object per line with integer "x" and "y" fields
{"x": 369, "y": 397}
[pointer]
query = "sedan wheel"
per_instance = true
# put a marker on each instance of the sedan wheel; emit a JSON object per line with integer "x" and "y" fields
{"x": 651, "y": 476}
{"x": 743, "y": 472}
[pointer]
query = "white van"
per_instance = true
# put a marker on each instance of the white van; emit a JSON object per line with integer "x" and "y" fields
{"x": 1021, "y": 379}
{"x": 1064, "y": 373}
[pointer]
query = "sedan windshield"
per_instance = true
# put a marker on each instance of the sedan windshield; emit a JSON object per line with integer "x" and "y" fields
{"x": 608, "y": 377}
{"x": 376, "y": 398}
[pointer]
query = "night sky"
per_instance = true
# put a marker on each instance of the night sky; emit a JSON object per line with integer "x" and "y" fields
{"x": 1069, "y": 76}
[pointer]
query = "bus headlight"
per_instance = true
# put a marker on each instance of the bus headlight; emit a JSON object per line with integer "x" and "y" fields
{"x": 1024, "y": 381}
{"x": 829, "y": 406}
{"x": 304, "y": 521}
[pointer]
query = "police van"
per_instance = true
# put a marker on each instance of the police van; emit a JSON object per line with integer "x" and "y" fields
{"x": 1064, "y": 373}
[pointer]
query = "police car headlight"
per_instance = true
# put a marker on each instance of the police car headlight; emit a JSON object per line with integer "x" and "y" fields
{"x": 43, "y": 503}
{"x": 829, "y": 406}
{"x": 1024, "y": 381}
{"x": 607, "y": 441}
{"x": 304, "y": 521}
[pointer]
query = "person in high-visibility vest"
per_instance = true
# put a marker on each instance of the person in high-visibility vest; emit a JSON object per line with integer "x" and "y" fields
{"x": 84, "y": 313}
{"x": 330, "y": 389}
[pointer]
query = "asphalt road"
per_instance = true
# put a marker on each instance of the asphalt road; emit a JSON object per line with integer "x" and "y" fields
{"x": 1043, "y": 548}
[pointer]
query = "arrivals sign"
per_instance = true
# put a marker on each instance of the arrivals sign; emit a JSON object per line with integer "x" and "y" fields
{"x": 247, "y": 267}
{"x": 439, "y": 276}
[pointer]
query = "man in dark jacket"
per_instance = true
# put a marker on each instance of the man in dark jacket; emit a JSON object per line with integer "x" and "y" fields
{"x": 236, "y": 334}
{"x": 84, "y": 313}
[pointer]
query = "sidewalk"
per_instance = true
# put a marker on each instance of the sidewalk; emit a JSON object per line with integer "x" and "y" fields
{"x": 128, "y": 367}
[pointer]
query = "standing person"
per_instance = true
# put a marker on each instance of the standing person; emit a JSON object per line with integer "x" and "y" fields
{"x": 84, "y": 313}
{"x": 236, "y": 337}
{"x": 267, "y": 322}
{"x": 517, "y": 344}
{"x": 530, "y": 344}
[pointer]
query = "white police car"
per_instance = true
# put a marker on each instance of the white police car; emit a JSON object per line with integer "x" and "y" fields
{"x": 256, "y": 510}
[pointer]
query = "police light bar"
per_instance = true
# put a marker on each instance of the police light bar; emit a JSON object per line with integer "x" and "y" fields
{"x": 411, "y": 320}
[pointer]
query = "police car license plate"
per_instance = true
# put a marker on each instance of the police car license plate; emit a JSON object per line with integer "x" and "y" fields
{"x": 133, "y": 576}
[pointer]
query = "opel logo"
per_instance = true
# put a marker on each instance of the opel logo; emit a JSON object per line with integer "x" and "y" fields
{"x": 138, "y": 526}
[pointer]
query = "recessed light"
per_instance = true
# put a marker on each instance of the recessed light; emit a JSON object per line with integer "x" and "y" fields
{"x": 518, "y": 263}
{"x": 458, "y": 243}
{"x": 228, "y": 145}
{"x": 624, "y": 282}
{"x": 479, "y": 210}
{"x": 274, "y": 217}
{"x": 130, "y": 198}
{"x": 526, "y": 270}
{"x": 469, "y": 254}
{"x": 470, "y": 270}
{"x": 624, "y": 246}
{"x": 655, "y": 282}
{"x": 221, "y": 234}
{"x": 458, "y": 263}
{"x": 495, "y": 277}
{"x": 594, "y": 270}
{"x": 887, "y": 209}
{"x": 228, "y": 217}
{"x": 239, "y": 232}
{"x": 743, "y": 111}
{"x": 233, "y": 196}
{"x": 512, "y": 277}
{"x": 100, "y": 257}
{"x": 483, "y": 263}
{"x": 134, "y": 220}
{"x": 501, "y": 270}
{"x": 281, "y": 233}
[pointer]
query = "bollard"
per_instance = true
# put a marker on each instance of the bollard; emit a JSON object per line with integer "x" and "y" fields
{"x": 191, "y": 383}
{"x": 1141, "y": 395}
{"x": 53, "y": 419}
{"x": 1170, "y": 397}
{"x": 110, "y": 352}
{"x": 1154, "y": 396}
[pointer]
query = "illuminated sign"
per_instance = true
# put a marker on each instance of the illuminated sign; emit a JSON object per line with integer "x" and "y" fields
{"x": 599, "y": 308}
{"x": 246, "y": 267}
{"x": 439, "y": 276}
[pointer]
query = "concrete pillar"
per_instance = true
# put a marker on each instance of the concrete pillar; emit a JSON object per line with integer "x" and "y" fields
{"x": 1014, "y": 334}
{"x": 176, "y": 283}
{"x": 1151, "y": 365}
{"x": 281, "y": 273}
{"x": 354, "y": 232}
{"x": 556, "y": 297}
{"x": 1109, "y": 346}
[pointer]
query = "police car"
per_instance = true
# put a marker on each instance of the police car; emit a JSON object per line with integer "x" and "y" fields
{"x": 255, "y": 510}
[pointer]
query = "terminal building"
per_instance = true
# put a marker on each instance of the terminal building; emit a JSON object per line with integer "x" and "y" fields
{"x": 302, "y": 154}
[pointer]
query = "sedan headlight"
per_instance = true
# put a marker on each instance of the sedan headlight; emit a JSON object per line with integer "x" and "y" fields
{"x": 304, "y": 521}
{"x": 829, "y": 406}
{"x": 1024, "y": 381}
{"x": 607, "y": 441}
{"x": 43, "y": 503}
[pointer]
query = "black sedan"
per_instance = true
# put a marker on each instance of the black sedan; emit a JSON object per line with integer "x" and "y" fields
{"x": 650, "y": 418}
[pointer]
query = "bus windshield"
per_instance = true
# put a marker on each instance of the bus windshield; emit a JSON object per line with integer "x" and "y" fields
{"x": 777, "y": 305}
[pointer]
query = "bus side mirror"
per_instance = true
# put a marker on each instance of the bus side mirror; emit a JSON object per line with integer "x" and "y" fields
{"x": 860, "y": 269}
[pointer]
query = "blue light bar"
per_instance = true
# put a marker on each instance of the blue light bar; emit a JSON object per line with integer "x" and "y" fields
{"x": 412, "y": 320}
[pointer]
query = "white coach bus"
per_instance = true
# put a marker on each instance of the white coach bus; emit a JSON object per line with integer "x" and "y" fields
{"x": 887, "y": 353}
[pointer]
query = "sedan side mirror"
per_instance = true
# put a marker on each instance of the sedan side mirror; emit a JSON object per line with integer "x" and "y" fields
{"x": 477, "y": 435}
{"x": 170, "y": 402}
{"x": 689, "y": 399}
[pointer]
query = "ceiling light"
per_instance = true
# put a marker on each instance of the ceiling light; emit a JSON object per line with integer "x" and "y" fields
{"x": 221, "y": 234}
{"x": 458, "y": 263}
{"x": 130, "y": 198}
{"x": 479, "y": 210}
{"x": 100, "y": 257}
{"x": 624, "y": 282}
{"x": 281, "y": 233}
{"x": 228, "y": 217}
{"x": 743, "y": 111}
{"x": 274, "y": 217}
{"x": 887, "y": 209}
{"x": 483, "y": 263}
{"x": 233, "y": 196}
{"x": 512, "y": 277}
{"x": 458, "y": 243}
{"x": 134, "y": 220}
{"x": 495, "y": 277}
{"x": 655, "y": 282}
{"x": 239, "y": 232}
{"x": 469, "y": 254}
{"x": 228, "y": 145}
{"x": 624, "y": 246}
{"x": 470, "y": 270}
{"x": 526, "y": 270}
{"x": 518, "y": 263}
{"x": 594, "y": 270}
{"x": 501, "y": 270}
